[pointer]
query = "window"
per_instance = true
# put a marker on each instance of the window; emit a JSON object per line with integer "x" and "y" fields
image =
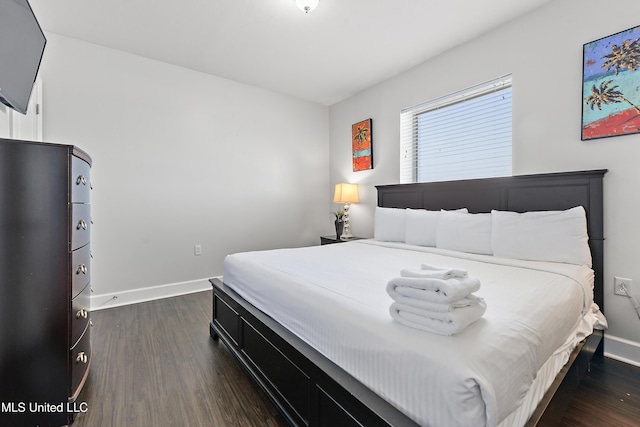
{"x": 464, "y": 135}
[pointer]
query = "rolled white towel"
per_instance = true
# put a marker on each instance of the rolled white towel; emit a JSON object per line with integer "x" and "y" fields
{"x": 434, "y": 290}
{"x": 440, "y": 307}
{"x": 452, "y": 272}
{"x": 448, "y": 323}
{"x": 443, "y": 274}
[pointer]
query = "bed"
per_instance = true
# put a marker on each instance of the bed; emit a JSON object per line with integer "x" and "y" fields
{"x": 340, "y": 367}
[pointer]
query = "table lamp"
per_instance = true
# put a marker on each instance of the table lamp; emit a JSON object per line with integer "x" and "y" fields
{"x": 346, "y": 193}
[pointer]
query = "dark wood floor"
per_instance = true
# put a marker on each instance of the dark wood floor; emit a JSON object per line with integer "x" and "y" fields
{"x": 154, "y": 364}
{"x": 608, "y": 396}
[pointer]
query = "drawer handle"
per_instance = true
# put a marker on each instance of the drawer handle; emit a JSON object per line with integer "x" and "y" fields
{"x": 81, "y": 224}
{"x": 81, "y": 269}
{"x": 82, "y": 313}
{"x": 82, "y": 357}
{"x": 81, "y": 180}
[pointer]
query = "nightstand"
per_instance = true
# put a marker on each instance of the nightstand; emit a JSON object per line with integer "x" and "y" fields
{"x": 327, "y": 240}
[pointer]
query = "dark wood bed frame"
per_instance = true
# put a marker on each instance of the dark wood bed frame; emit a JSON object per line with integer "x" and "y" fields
{"x": 310, "y": 390}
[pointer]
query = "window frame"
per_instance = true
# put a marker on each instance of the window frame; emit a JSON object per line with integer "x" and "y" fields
{"x": 409, "y": 138}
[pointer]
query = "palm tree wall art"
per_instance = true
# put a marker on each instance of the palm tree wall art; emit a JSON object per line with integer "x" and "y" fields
{"x": 362, "y": 145}
{"x": 611, "y": 85}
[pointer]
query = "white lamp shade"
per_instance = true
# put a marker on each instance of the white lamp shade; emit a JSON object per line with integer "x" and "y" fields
{"x": 346, "y": 193}
{"x": 307, "y": 5}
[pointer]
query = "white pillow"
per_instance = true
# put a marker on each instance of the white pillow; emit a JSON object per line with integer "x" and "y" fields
{"x": 557, "y": 236}
{"x": 389, "y": 224}
{"x": 421, "y": 226}
{"x": 464, "y": 232}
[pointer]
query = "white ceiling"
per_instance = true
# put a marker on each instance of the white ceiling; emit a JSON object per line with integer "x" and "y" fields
{"x": 341, "y": 48}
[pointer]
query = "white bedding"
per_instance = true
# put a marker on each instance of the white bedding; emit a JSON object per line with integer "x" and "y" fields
{"x": 334, "y": 298}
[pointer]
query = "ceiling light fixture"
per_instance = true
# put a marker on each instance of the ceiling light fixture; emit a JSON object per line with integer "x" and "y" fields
{"x": 307, "y": 5}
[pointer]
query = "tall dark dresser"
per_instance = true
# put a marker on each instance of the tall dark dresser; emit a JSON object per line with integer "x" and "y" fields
{"x": 45, "y": 224}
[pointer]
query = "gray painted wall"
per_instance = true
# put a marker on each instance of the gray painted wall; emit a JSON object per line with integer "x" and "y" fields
{"x": 543, "y": 51}
{"x": 183, "y": 158}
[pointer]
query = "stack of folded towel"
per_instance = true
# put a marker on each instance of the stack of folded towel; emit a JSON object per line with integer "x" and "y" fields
{"x": 438, "y": 300}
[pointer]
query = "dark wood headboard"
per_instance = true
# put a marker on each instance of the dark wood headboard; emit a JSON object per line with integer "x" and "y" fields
{"x": 524, "y": 193}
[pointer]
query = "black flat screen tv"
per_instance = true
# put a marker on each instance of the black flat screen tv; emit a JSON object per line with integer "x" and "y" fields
{"x": 21, "y": 47}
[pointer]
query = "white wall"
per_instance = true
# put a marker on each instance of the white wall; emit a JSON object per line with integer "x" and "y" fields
{"x": 543, "y": 50}
{"x": 5, "y": 121}
{"x": 183, "y": 158}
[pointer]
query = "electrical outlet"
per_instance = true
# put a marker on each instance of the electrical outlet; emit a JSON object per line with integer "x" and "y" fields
{"x": 617, "y": 285}
{"x": 197, "y": 250}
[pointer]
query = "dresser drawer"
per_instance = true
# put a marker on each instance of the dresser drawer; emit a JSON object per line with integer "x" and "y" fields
{"x": 80, "y": 312}
{"x": 79, "y": 361}
{"x": 80, "y": 184}
{"x": 80, "y": 269}
{"x": 80, "y": 224}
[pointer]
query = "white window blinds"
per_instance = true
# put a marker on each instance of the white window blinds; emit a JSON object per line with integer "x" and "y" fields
{"x": 464, "y": 135}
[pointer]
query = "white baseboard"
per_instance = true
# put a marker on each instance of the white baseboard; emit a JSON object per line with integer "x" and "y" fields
{"x": 621, "y": 349}
{"x": 134, "y": 296}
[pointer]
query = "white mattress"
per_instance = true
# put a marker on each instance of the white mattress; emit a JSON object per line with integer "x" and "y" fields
{"x": 334, "y": 298}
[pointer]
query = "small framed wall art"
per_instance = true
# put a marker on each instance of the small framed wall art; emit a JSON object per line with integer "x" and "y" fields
{"x": 611, "y": 85}
{"x": 362, "y": 145}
